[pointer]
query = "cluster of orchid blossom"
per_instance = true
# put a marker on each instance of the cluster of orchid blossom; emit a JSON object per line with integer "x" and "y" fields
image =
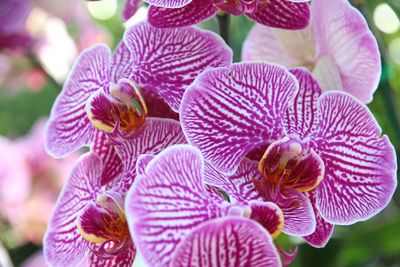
{"x": 198, "y": 161}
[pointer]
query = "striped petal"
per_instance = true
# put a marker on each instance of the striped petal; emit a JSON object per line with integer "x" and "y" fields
{"x": 238, "y": 186}
{"x": 69, "y": 128}
{"x": 123, "y": 259}
{"x": 345, "y": 37}
{"x": 167, "y": 202}
{"x": 168, "y": 66}
{"x": 323, "y": 230}
{"x": 360, "y": 176}
{"x": 301, "y": 115}
{"x": 104, "y": 148}
{"x": 63, "y": 244}
{"x": 227, "y": 112}
{"x": 122, "y": 63}
{"x": 169, "y": 3}
{"x": 191, "y": 14}
{"x": 156, "y": 135}
{"x": 283, "y": 14}
{"x": 297, "y": 211}
{"x": 229, "y": 241}
{"x": 142, "y": 161}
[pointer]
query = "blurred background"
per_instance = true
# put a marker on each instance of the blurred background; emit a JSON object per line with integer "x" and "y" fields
{"x": 39, "y": 41}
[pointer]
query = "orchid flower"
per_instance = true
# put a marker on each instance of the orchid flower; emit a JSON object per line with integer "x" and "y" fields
{"x": 284, "y": 14}
{"x": 146, "y": 76}
{"x": 174, "y": 221}
{"x": 89, "y": 222}
{"x": 337, "y": 47}
{"x": 325, "y": 146}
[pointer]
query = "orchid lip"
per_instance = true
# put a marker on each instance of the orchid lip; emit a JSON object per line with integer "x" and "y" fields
{"x": 122, "y": 106}
{"x": 291, "y": 164}
{"x": 103, "y": 220}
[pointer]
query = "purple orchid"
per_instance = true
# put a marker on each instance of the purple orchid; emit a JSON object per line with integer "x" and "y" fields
{"x": 89, "y": 223}
{"x": 146, "y": 76}
{"x": 13, "y": 14}
{"x": 327, "y": 147}
{"x": 337, "y": 47}
{"x": 284, "y": 14}
{"x": 174, "y": 221}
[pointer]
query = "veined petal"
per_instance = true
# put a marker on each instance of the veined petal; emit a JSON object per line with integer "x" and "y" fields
{"x": 297, "y": 211}
{"x": 122, "y": 63}
{"x": 230, "y": 241}
{"x": 360, "y": 165}
{"x": 169, "y": 3}
{"x": 191, "y": 14}
{"x": 238, "y": 186}
{"x": 63, "y": 245}
{"x": 124, "y": 258}
{"x": 301, "y": 115}
{"x": 165, "y": 203}
{"x": 269, "y": 215}
{"x": 323, "y": 230}
{"x": 69, "y": 128}
{"x": 170, "y": 65}
{"x": 142, "y": 161}
{"x": 285, "y": 47}
{"x": 227, "y": 112}
{"x": 283, "y": 14}
{"x": 156, "y": 135}
{"x": 104, "y": 148}
{"x": 130, "y": 8}
{"x": 345, "y": 36}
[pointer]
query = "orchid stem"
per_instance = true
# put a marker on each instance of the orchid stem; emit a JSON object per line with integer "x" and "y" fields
{"x": 36, "y": 63}
{"x": 224, "y": 20}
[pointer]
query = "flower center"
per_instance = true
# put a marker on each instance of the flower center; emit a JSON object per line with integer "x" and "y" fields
{"x": 122, "y": 108}
{"x": 290, "y": 164}
{"x": 104, "y": 221}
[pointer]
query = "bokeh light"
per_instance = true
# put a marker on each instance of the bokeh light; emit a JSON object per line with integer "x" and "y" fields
{"x": 102, "y": 10}
{"x": 386, "y": 19}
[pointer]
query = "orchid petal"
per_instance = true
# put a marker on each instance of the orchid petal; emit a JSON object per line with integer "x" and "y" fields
{"x": 69, "y": 128}
{"x": 104, "y": 148}
{"x": 122, "y": 63}
{"x": 360, "y": 166}
{"x": 285, "y": 47}
{"x": 191, "y": 14}
{"x": 283, "y": 14}
{"x": 297, "y": 211}
{"x": 142, "y": 161}
{"x": 230, "y": 241}
{"x": 123, "y": 259}
{"x": 345, "y": 36}
{"x": 169, "y": 3}
{"x": 130, "y": 9}
{"x": 227, "y": 112}
{"x": 238, "y": 186}
{"x": 323, "y": 231}
{"x": 63, "y": 244}
{"x": 301, "y": 115}
{"x": 169, "y": 66}
{"x": 166, "y": 202}
{"x": 156, "y": 135}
